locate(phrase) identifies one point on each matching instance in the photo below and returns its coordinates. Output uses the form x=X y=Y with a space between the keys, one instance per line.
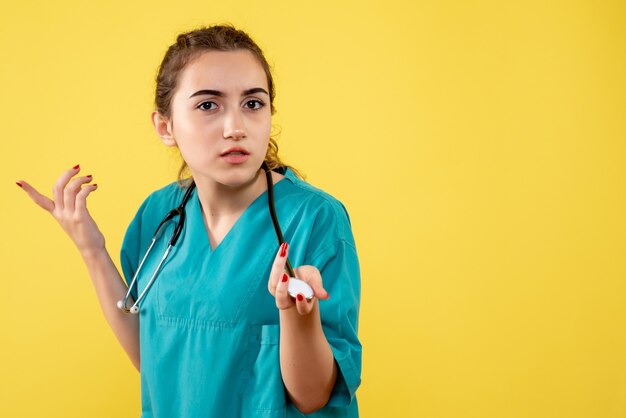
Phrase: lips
x=235 y=151
x=235 y=155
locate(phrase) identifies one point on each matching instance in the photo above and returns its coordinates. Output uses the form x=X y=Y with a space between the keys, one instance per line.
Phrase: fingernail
x=95 y=185
x=76 y=167
x=19 y=184
x=283 y=249
x=89 y=175
x=300 y=297
x=285 y=277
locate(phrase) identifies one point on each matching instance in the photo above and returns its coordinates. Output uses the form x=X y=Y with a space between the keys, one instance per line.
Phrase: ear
x=163 y=128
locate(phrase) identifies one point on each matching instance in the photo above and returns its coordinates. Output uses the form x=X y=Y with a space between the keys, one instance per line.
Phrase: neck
x=220 y=200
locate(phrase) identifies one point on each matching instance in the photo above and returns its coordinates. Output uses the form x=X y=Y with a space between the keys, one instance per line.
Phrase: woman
x=217 y=331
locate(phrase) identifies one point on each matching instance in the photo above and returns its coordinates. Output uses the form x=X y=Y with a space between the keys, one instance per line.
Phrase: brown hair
x=189 y=46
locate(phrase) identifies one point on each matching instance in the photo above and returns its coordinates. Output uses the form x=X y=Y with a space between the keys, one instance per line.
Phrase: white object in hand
x=299 y=286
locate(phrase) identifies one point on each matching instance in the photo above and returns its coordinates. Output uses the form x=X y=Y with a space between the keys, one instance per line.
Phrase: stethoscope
x=294 y=287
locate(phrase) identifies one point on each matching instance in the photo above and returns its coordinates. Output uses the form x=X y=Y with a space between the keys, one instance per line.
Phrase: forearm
x=306 y=360
x=69 y=209
x=110 y=288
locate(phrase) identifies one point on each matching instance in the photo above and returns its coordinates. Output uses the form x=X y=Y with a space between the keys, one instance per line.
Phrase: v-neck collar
x=197 y=231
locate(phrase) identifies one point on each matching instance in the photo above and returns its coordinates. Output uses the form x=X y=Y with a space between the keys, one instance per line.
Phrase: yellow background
x=479 y=147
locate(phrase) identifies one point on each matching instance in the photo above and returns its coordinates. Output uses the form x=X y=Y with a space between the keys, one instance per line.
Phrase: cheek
x=267 y=127
x=196 y=133
x=267 y=131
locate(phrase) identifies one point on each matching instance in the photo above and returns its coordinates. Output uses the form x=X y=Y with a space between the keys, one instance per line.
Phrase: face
x=221 y=117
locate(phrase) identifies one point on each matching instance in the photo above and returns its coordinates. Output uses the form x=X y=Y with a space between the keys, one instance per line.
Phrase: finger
x=59 y=186
x=319 y=292
x=313 y=277
x=72 y=189
x=303 y=305
x=41 y=200
x=278 y=267
x=81 y=197
x=283 y=300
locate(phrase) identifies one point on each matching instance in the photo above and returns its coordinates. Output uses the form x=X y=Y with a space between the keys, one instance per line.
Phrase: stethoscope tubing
x=270 y=201
x=180 y=211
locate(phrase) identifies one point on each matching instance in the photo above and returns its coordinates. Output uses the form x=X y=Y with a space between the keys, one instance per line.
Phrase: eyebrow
x=221 y=94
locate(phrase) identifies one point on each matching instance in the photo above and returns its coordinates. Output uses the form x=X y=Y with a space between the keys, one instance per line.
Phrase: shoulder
x=326 y=213
x=145 y=221
x=161 y=201
x=155 y=206
x=169 y=195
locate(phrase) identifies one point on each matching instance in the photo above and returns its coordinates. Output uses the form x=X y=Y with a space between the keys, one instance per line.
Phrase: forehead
x=223 y=70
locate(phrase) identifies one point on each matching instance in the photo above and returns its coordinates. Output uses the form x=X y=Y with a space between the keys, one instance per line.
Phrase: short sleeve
x=338 y=264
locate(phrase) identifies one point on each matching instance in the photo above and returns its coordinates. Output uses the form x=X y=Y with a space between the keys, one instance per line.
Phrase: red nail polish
x=300 y=297
x=89 y=175
x=19 y=184
x=76 y=167
x=283 y=249
x=95 y=185
x=285 y=277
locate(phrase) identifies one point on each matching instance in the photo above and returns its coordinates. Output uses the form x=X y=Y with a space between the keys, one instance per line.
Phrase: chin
x=238 y=176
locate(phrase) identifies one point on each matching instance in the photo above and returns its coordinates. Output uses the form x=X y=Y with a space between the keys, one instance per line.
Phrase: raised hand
x=69 y=208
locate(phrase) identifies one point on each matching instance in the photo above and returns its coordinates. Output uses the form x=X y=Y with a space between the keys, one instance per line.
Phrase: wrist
x=294 y=322
x=93 y=254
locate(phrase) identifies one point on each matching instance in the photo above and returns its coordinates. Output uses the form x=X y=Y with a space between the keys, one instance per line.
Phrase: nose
x=234 y=126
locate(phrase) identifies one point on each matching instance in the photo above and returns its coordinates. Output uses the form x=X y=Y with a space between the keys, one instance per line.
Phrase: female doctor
x=216 y=332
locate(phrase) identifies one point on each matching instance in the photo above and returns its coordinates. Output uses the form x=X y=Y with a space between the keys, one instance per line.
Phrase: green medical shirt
x=209 y=328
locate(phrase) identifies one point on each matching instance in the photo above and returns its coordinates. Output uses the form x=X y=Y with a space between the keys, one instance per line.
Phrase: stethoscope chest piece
x=297 y=286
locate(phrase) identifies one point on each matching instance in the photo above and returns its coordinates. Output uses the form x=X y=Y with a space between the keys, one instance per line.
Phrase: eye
x=207 y=106
x=254 y=104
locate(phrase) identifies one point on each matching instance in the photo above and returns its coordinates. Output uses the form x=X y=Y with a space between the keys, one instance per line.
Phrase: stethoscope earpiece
x=180 y=212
